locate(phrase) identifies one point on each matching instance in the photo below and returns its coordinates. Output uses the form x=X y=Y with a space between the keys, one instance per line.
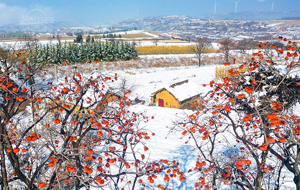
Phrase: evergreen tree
x=110 y=36
x=78 y=39
x=88 y=39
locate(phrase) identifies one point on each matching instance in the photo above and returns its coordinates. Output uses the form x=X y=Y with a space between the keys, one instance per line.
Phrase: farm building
x=179 y=95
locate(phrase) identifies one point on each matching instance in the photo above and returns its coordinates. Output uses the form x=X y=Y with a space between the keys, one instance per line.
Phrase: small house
x=179 y=95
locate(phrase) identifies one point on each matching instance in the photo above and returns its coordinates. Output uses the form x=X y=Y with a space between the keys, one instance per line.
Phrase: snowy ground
x=147 y=81
x=165 y=145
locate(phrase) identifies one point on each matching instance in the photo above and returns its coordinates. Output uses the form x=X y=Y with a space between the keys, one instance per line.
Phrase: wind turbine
x=236 y=5
x=215 y=6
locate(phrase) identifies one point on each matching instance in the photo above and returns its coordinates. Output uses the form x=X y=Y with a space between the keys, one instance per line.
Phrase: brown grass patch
x=152 y=50
x=138 y=35
x=290 y=23
x=223 y=71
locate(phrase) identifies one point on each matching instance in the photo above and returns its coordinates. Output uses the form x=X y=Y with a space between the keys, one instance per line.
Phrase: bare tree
x=246 y=44
x=97 y=37
x=134 y=43
x=188 y=38
x=58 y=37
x=242 y=45
x=226 y=46
x=155 y=42
x=201 y=46
x=29 y=42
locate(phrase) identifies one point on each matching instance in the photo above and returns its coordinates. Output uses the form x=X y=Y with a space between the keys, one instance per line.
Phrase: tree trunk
x=226 y=58
x=296 y=169
x=3 y=166
x=258 y=180
x=297 y=181
x=199 y=61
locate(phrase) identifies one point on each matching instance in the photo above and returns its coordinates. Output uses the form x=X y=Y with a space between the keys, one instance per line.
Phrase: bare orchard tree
x=155 y=42
x=188 y=38
x=134 y=43
x=246 y=44
x=242 y=45
x=226 y=46
x=28 y=41
x=200 y=47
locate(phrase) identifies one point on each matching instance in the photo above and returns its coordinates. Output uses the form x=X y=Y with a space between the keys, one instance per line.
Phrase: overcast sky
x=97 y=12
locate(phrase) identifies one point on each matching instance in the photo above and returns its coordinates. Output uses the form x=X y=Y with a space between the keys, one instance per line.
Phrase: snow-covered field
x=165 y=145
x=143 y=82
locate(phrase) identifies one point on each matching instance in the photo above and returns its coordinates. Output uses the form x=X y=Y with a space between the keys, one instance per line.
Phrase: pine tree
x=78 y=39
x=88 y=39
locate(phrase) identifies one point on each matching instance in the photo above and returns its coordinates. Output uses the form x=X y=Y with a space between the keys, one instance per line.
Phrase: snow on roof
x=184 y=91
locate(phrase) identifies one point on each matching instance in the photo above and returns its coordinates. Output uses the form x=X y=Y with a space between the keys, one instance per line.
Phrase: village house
x=180 y=95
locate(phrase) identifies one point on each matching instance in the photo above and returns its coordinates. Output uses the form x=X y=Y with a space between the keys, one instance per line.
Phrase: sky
x=98 y=12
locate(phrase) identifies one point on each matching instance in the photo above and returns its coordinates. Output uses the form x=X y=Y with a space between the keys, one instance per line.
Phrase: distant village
x=186 y=28
x=181 y=28
x=219 y=29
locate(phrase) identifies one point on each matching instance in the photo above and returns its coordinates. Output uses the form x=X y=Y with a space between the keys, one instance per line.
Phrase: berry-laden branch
x=83 y=136
x=247 y=134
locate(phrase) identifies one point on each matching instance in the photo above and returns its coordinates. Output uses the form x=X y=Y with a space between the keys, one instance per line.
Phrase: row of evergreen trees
x=84 y=52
